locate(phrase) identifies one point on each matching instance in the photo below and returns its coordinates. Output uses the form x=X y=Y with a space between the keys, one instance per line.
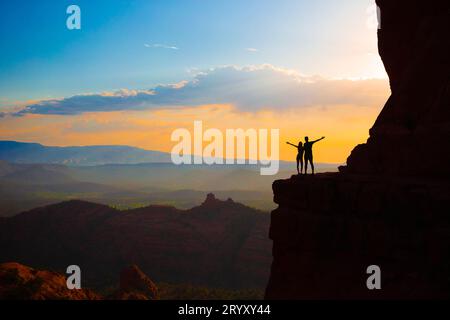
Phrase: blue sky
x=139 y=69
x=41 y=59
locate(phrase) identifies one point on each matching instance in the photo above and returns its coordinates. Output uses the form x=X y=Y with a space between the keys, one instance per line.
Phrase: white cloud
x=248 y=88
x=251 y=50
x=163 y=46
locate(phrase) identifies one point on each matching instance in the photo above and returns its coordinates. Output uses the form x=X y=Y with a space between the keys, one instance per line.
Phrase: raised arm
x=291 y=144
x=318 y=140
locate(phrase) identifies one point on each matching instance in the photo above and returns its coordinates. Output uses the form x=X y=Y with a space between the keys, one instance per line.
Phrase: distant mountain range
x=26 y=186
x=217 y=244
x=24 y=152
x=20 y=152
x=33 y=175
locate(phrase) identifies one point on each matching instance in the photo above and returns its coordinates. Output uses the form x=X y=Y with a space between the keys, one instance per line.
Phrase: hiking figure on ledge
x=309 y=154
x=300 y=151
x=305 y=152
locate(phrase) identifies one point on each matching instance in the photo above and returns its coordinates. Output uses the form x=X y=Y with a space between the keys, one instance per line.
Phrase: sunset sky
x=139 y=69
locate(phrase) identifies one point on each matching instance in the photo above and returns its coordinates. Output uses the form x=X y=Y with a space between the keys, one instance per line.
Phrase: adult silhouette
x=308 y=153
x=300 y=151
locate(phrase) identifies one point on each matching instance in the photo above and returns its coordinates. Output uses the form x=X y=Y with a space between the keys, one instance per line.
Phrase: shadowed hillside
x=217 y=244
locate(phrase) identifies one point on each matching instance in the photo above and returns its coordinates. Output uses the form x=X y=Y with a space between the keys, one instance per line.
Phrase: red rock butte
x=389 y=205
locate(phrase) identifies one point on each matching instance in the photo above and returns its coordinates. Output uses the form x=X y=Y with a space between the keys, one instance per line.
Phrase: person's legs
x=306 y=165
x=298 y=160
x=312 y=164
x=301 y=163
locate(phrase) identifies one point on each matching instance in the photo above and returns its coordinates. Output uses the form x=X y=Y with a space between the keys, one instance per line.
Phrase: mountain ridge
x=35 y=153
x=30 y=152
x=217 y=244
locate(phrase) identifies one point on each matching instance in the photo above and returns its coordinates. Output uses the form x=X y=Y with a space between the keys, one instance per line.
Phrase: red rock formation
x=411 y=135
x=331 y=227
x=389 y=206
x=19 y=282
x=135 y=285
x=217 y=244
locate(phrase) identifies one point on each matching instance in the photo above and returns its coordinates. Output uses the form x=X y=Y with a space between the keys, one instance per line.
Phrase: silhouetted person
x=308 y=153
x=300 y=151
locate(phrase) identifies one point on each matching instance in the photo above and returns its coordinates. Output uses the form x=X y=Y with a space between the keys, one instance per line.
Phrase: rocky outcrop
x=412 y=133
x=329 y=228
x=135 y=285
x=389 y=206
x=19 y=282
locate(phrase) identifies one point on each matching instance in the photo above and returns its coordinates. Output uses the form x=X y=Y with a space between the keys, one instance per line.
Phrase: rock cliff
x=389 y=205
x=412 y=133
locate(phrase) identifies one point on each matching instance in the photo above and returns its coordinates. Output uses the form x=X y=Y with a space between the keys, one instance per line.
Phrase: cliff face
x=329 y=228
x=412 y=133
x=389 y=205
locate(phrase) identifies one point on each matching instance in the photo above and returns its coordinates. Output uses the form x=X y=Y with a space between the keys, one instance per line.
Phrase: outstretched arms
x=291 y=144
x=318 y=140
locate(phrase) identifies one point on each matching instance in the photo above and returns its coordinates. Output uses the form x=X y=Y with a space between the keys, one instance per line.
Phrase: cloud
x=248 y=88
x=251 y=50
x=163 y=46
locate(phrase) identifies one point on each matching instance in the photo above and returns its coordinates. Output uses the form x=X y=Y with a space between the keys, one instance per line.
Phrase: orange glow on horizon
x=343 y=126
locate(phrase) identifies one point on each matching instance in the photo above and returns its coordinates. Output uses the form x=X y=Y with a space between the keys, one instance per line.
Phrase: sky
x=138 y=69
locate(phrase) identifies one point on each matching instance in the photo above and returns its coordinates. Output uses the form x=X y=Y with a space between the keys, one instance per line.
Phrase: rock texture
x=135 y=285
x=331 y=227
x=389 y=205
x=19 y=282
x=412 y=133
